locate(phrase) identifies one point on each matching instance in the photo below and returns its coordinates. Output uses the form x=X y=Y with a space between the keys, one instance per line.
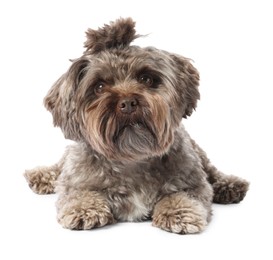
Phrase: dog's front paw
x=184 y=217
x=184 y=221
x=80 y=218
x=229 y=190
x=83 y=210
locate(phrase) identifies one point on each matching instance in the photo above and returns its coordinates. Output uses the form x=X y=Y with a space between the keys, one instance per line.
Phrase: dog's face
x=125 y=101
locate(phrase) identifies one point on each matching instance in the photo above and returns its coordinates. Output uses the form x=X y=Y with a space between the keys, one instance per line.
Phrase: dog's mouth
x=134 y=128
x=135 y=134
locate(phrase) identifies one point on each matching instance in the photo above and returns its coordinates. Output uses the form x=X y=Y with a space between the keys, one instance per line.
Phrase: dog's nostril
x=128 y=105
x=122 y=105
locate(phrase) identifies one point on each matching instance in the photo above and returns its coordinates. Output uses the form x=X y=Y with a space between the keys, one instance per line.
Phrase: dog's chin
x=134 y=141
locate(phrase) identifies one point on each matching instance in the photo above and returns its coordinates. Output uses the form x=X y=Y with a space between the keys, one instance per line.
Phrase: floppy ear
x=117 y=34
x=188 y=82
x=60 y=100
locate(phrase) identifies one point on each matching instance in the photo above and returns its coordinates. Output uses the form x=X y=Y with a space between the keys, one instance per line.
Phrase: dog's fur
x=132 y=159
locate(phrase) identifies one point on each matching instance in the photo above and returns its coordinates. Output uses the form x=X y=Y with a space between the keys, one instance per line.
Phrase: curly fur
x=118 y=34
x=132 y=159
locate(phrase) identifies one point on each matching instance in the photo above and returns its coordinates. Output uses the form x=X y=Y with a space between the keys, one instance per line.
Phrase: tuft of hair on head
x=119 y=33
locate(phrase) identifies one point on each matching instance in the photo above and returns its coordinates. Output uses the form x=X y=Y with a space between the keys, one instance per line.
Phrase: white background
x=231 y=44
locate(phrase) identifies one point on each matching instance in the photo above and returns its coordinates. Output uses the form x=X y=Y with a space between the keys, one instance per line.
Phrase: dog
x=132 y=159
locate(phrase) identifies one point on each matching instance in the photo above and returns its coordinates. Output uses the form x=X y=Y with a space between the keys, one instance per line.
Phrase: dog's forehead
x=132 y=59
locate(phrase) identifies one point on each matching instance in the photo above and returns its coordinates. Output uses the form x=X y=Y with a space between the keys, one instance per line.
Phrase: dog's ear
x=60 y=100
x=119 y=33
x=188 y=82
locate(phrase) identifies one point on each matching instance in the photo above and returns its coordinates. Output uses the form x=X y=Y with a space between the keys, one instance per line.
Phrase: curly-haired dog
x=132 y=159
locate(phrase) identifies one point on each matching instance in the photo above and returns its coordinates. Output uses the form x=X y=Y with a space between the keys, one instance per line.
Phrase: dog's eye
x=146 y=79
x=99 y=88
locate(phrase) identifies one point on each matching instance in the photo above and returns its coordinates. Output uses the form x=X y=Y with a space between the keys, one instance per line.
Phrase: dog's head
x=125 y=101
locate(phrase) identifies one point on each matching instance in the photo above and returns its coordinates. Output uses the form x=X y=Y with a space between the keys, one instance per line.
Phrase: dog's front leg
x=179 y=213
x=83 y=210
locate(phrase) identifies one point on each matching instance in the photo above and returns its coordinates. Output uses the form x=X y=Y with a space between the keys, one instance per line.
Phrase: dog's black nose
x=128 y=105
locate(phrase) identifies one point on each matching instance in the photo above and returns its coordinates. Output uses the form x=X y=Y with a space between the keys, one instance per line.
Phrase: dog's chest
x=132 y=194
x=132 y=208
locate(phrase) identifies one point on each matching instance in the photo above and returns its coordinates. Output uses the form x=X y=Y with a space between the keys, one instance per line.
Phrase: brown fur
x=118 y=34
x=133 y=159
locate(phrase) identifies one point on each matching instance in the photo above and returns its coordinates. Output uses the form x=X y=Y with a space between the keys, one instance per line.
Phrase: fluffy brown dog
x=132 y=160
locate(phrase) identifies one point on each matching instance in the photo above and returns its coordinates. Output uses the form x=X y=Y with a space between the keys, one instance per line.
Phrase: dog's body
x=132 y=160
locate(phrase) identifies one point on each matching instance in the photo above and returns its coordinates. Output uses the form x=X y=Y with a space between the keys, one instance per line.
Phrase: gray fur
x=130 y=163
